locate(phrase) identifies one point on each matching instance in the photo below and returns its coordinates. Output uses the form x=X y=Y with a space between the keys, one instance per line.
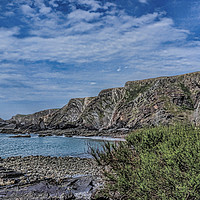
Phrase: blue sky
x=54 y=50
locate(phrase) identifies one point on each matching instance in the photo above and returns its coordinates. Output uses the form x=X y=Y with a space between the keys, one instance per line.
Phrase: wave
x=100 y=138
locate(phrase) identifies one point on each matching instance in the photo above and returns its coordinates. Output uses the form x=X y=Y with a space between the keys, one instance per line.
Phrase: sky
x=55 y=50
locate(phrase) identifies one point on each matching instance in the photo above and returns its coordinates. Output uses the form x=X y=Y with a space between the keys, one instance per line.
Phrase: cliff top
x=162 y=77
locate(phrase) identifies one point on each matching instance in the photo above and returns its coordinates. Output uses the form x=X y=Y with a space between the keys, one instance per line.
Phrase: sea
x=54 y=146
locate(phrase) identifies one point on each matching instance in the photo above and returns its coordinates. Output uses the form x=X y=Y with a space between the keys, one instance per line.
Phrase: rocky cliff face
x=98 y=113
x=157 y=101
x=36 y=121
x=163 y=100
x=68 y=116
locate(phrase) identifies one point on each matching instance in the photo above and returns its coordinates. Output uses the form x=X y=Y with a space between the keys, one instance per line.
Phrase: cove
x=54 y=146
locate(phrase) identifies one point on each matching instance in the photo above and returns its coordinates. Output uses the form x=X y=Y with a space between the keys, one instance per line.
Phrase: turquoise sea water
x=46 y=146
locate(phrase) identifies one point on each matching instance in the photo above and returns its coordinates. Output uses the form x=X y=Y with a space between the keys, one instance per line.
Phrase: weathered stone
x=36 y=121
x=150 y=102
x=18 y=136
x=40 y=177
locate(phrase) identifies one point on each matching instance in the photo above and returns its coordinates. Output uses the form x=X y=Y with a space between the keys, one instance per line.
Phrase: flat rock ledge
x=122 y=132
x=45 y=177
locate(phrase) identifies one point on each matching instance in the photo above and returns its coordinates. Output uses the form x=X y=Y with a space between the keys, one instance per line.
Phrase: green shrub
x=156 y=163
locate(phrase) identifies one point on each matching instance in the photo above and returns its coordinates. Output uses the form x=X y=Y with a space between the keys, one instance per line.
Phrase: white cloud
x=27 y=10
x=143 y=1
x=79 y=15
x=110 y=38
x=53 y=3
x=9 y=14
x=45 y=10
x=93 y=83
x=94 y=4
x=39 y=3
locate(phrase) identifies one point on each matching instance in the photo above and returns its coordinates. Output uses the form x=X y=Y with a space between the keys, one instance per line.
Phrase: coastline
x=71 y=177
x=70 y=132
x=103 y=138
x=51 y=145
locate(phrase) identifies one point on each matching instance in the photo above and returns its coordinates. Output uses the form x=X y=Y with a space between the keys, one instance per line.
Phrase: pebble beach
x=75 y=178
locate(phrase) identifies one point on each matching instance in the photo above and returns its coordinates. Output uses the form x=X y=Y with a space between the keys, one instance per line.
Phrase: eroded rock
x=40 y=177
x=150 y=102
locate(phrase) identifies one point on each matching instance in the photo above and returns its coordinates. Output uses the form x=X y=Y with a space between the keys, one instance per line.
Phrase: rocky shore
x=122 y=132
x=40 y=177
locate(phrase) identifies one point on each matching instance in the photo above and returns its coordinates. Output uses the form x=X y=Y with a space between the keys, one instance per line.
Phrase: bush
x=155 y=163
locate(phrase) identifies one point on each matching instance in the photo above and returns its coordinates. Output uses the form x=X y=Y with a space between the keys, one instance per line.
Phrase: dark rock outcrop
x=32 y=122
x=67 y=116
x=80 y=188
x=20 y=136
x=40 y=177
x=150 y=102
x=6 y=126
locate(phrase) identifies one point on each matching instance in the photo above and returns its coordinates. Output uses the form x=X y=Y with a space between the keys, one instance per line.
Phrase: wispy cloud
x=85 y=36
x=72 y=48
x=82 y=15
x=110 y=38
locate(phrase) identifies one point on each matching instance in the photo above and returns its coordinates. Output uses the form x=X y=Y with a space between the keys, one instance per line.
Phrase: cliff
x=150 y=102
x=36 y=121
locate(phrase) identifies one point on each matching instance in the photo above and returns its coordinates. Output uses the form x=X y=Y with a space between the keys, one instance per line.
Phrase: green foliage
x=156 y=163
x=185 y=89
x=134 y=90
x=187 y=92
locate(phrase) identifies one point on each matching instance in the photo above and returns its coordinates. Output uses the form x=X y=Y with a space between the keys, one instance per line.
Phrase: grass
x=133 y=91
x=154 y=163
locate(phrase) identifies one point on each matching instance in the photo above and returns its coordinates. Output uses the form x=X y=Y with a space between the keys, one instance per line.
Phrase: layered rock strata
x=150 y=102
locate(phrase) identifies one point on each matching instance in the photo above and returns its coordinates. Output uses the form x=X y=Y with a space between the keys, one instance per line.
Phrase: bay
x=48 y=146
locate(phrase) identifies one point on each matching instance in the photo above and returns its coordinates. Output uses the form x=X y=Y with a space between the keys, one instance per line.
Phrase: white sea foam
x=100 y=138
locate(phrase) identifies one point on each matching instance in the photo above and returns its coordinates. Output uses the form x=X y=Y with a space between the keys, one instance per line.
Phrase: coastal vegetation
x=154 y=163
